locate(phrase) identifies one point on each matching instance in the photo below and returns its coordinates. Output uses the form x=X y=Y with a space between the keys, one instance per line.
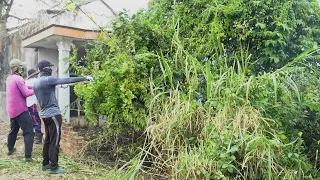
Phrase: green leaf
x=68 y=3
x=224 y=166
x=283 y=137
x=261 y=25
x=234 y=149
x=230 y=169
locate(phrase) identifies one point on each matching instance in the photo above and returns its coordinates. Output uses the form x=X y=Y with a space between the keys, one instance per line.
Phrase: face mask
x=21 y=71
x=48 y=71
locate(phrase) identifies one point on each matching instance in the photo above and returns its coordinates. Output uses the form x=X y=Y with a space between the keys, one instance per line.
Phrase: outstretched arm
x=65 y=85
x=52 y=81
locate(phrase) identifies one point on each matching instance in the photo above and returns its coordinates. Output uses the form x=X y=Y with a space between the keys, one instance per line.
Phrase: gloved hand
x=64 y=86
x=89 y=78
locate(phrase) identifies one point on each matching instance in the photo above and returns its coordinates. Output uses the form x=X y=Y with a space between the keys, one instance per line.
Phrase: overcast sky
x=29 y=8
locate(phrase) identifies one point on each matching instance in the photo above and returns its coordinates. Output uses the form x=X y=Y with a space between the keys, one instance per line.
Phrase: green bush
x=219 y=87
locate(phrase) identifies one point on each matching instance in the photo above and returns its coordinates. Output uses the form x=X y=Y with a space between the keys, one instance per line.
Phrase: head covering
x=15 y=64
x=32 y=73
x=44 y=64
x=18 y=67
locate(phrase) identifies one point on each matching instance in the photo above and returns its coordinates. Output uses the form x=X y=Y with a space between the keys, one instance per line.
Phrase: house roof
x=61 y=26
x=48 y=36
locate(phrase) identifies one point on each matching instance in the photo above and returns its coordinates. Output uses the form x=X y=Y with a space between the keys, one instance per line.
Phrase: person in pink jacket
x=17 y=92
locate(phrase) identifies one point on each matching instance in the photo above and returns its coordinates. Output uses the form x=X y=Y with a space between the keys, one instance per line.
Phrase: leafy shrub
x=226 y=82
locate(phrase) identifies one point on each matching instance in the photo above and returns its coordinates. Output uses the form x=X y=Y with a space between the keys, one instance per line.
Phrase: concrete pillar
x=64 y=48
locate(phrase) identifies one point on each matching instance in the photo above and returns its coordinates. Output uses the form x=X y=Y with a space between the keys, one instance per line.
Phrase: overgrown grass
x=233 y=134
x=14 y=166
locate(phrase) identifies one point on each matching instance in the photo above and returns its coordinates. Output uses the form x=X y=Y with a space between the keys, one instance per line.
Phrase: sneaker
x=11 y=151
x=29 y=160
x=57 y=171
x=45 y=167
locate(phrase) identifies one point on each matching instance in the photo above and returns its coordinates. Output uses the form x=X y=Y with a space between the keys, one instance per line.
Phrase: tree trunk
x=5 y=7
x=2 y=45
x=3 y=32
x=3 y=28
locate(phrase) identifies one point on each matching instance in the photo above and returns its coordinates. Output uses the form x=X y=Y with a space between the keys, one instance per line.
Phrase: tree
x=5 y=7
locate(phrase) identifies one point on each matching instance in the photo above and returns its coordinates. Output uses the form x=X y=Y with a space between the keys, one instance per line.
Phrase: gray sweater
x=45 y=90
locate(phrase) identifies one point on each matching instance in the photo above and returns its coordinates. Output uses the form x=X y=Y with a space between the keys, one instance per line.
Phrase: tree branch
x=58 y=4
x=16 y=27
x=45 y=2
x=20 y=19
x=9 y=5
x=109 y=7
x=6 y=3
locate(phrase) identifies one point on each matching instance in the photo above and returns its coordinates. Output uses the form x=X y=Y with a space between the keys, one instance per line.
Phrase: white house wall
x=50 y=55
x=30 y=56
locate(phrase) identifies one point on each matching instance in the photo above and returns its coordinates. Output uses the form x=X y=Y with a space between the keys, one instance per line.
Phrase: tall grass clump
x=231 y=134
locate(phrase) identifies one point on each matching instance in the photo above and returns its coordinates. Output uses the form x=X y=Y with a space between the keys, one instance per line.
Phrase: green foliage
x=220 y=87
x=274 y=32
x=230 y=138
x=120 y=87
x=310 y=133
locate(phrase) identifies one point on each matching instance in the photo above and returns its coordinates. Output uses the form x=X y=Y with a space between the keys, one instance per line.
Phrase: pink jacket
x=17 y=92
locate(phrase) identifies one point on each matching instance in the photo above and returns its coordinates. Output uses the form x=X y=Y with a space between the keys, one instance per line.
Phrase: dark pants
x=51 y=143
x=33 y=111
x=24 y=122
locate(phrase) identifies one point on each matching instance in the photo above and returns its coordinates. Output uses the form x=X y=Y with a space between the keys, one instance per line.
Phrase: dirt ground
x=4 y=130
x=14 y=167
x=18 y=158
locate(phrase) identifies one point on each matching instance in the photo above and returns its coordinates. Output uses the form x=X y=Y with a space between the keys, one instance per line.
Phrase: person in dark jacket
x=50 y=112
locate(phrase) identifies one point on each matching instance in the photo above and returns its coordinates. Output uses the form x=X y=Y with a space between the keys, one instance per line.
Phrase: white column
x=64 y=48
